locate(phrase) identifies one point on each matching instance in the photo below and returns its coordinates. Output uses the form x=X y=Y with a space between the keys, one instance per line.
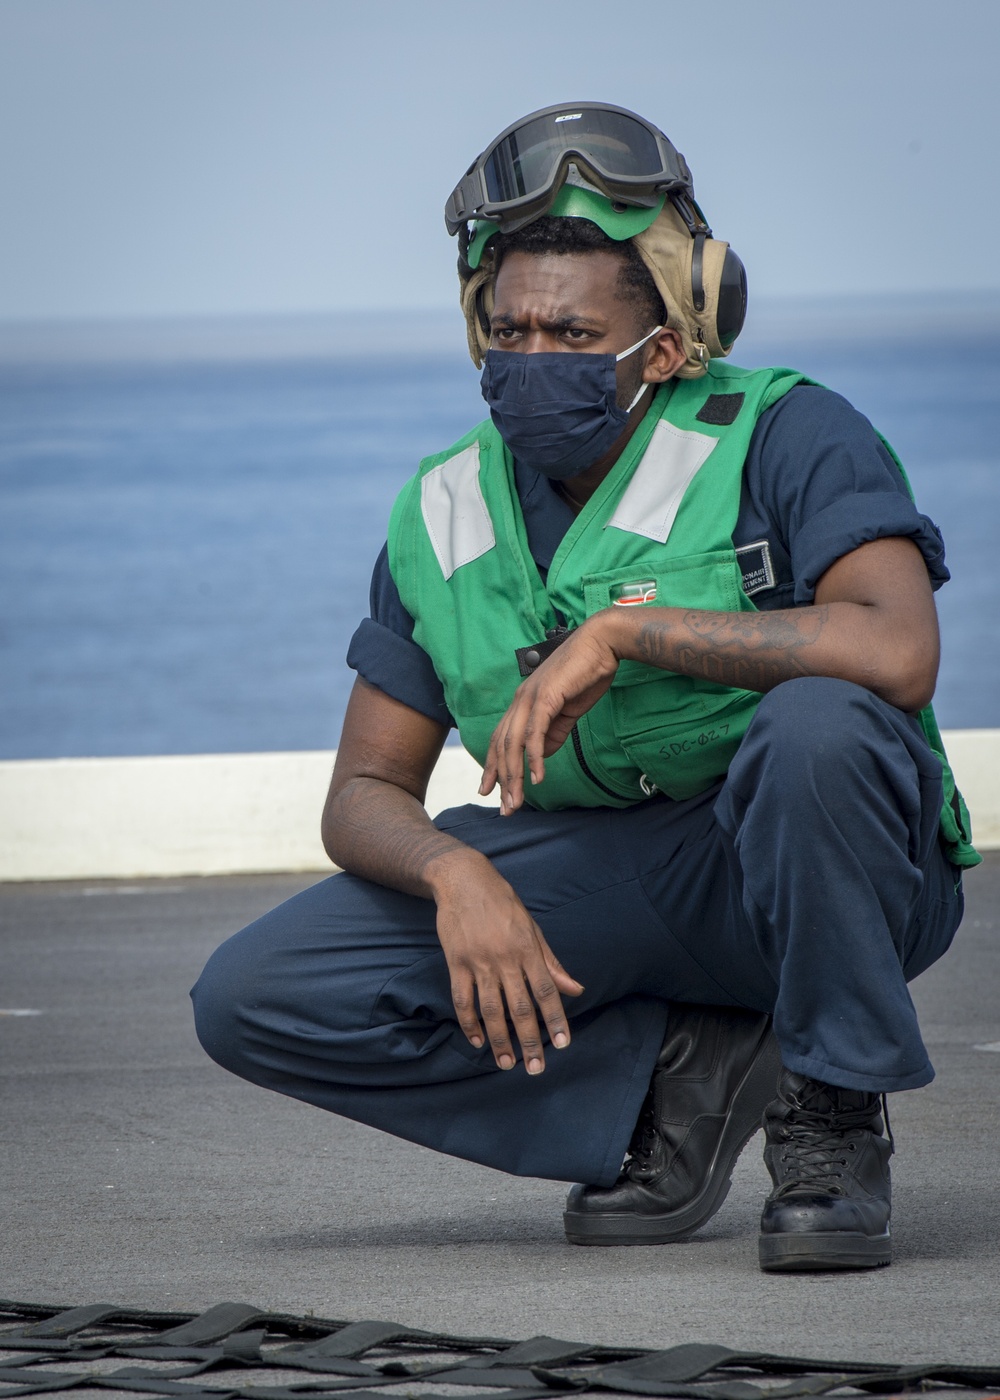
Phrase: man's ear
x=665 y=357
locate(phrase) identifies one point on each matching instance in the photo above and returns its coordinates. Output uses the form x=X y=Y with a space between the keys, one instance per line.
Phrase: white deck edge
x=219 y=814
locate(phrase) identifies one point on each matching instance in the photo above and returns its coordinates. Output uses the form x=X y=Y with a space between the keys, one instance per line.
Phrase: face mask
x=557 y=412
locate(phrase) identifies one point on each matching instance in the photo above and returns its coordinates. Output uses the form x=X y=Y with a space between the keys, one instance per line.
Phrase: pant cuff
x=854 y=1079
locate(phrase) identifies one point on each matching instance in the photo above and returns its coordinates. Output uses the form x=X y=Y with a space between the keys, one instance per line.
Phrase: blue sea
x=189 y=513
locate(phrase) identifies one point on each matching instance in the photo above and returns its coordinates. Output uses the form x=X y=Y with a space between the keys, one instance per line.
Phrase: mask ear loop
x=633 y=348
x=631 y=351
x=642 y=390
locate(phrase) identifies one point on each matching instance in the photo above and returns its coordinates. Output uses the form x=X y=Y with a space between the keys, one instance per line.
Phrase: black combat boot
x=716 y=1072
x=830 y=1165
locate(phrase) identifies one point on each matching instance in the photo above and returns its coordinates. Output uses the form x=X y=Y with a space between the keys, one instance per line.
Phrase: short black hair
x=552 y=234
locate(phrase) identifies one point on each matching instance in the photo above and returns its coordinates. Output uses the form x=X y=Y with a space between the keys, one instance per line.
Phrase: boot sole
x=755 y=1091
x=801 y=1253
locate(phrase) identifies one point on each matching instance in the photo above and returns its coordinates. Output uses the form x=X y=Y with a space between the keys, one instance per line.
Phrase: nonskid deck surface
x=138 y=1173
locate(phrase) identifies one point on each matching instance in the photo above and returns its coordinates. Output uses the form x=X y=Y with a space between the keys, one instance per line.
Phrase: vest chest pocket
x=710 y=581
x=679 y=731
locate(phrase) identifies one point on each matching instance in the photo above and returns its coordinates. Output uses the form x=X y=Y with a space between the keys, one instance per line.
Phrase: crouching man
x=682 y=614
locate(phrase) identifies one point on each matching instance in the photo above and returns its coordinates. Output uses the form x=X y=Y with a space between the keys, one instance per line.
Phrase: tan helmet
x=700 y=278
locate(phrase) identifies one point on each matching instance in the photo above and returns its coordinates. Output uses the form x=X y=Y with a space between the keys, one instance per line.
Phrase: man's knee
x=828 y=755
x=814 y=717
x=819 y=736
x=217 y=997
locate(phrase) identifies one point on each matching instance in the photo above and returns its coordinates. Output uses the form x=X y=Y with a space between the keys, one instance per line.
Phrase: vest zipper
x=578 y=750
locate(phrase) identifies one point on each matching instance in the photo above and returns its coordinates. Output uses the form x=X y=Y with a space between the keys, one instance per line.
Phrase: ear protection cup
x=730 y=295
x=701 y=280
x=731 y=308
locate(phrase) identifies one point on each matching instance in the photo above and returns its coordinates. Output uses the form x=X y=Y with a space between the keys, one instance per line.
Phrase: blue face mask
x=557 y=412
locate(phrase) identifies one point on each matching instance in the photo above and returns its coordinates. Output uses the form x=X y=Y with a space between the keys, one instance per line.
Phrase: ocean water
x=186 y=542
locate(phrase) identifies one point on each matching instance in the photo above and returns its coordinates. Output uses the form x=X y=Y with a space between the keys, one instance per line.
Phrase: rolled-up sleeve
x=856 y=520
x=829 y=484
x=384 y=654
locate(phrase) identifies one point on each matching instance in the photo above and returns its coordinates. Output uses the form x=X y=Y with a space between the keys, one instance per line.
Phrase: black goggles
x=518 y=176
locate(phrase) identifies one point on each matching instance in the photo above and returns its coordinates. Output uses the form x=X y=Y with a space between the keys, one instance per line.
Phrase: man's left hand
x=873 y=623
x=540 y=718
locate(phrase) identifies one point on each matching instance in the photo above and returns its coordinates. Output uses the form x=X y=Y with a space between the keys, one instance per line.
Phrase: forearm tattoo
x=753 y=651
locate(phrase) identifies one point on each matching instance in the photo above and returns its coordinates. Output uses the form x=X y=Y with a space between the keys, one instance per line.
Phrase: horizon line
x=895 y=317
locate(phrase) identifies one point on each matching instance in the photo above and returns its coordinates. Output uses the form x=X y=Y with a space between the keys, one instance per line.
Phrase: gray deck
x=135 y=1171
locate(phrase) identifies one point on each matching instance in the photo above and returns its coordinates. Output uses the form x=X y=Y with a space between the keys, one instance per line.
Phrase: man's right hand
x=375 y=825
x=498 y=957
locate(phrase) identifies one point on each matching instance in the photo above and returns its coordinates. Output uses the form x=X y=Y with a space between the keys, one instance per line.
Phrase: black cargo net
x=235 y=1350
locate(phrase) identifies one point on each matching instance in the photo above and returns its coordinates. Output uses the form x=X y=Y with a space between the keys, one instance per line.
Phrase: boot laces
x=816 y=1145
x=644 y=1139
x=646 y=1136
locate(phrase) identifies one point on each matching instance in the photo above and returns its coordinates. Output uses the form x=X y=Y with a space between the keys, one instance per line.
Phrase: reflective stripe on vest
x=652 y=498
x=459 y=525
x=455 y=513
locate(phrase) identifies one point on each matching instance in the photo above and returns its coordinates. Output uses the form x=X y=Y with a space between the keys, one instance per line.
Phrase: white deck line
x=214 y=814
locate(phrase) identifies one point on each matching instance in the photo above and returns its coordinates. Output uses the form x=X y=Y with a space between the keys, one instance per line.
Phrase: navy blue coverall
x=811 y=883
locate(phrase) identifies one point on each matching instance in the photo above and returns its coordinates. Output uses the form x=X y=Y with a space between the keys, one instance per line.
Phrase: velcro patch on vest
x=720 y=409
x=756 y=567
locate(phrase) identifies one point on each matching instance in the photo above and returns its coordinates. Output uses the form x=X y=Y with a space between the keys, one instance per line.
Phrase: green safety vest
x=659 y=529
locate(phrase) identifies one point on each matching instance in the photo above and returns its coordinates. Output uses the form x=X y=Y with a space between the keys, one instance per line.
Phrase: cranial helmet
x=605 y=164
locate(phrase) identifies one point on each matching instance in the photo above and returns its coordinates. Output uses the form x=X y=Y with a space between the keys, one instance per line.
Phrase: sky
x=207 y=157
